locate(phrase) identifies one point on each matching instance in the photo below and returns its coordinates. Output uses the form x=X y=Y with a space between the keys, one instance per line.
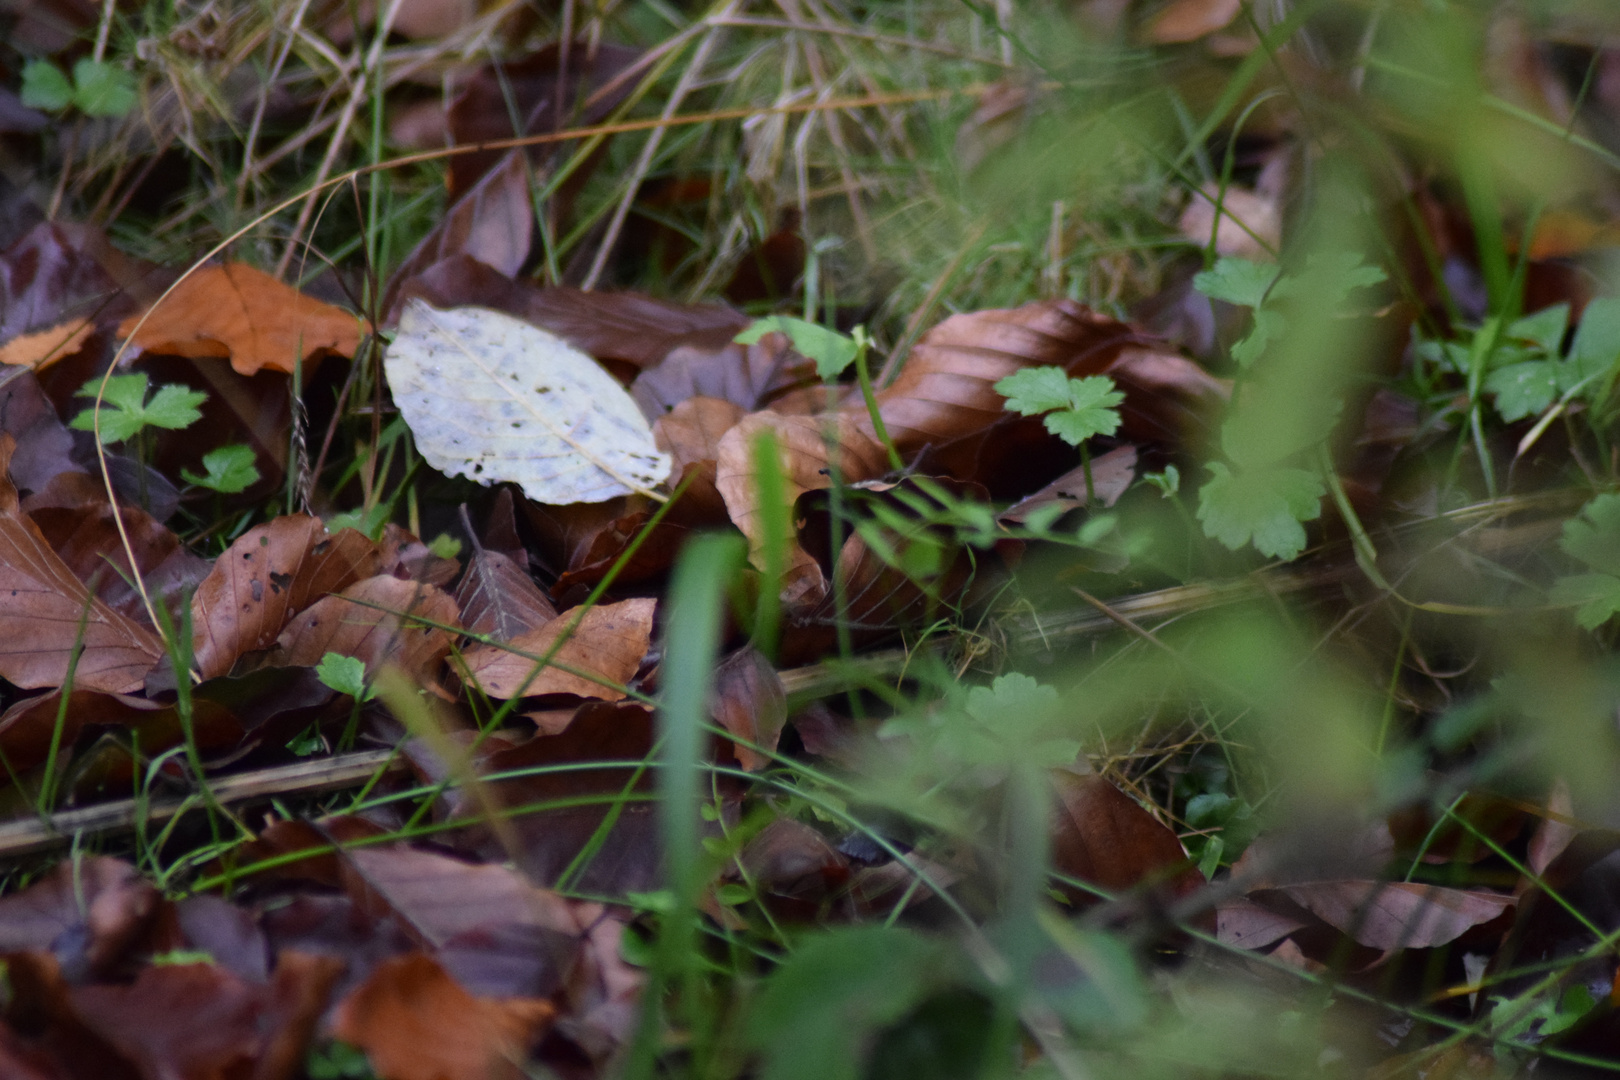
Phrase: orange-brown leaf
x=691 y=432
x=751 y=704
x=1103 y=837
x=807 y=447
x=245 y=314
x=417 y=1023
x=610 y=641
x=371 y=620
x=44 y=347
x=272 y=572
x=45 y=611
x=1189 y=20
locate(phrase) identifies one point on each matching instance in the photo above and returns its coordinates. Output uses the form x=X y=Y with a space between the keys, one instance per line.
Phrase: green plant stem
x=864 y=377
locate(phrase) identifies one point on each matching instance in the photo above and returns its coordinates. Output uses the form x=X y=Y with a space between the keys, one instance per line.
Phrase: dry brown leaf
x=47 y=612
x=946 y=390
x=439 y=899
x=749 y=702
x=802 y=444
x=1189 y=20
x=1248 y=925
x=415 y=1022
x=87 y=539
x=499 y=599
x=88 y=912
x=372 y=620
x=43 y=348
x=1111 y=476
x=272 y=572
x=632 y=327
x=245 y=314
x=1391 y=915
x=610 y=640
x=202 y=1022
x=1103 y=837
x=753 y=376
x=1250 y=226
x=691 y=432
x=491 y=223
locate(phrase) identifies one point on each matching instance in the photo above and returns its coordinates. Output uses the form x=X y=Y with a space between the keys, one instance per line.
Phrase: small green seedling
x=347 y=675
x=1076 y=409
x=1593 y=537
x=97 y=88
x=833 y=353
x=230 y=469
x=1258 y=497
x=172 y=407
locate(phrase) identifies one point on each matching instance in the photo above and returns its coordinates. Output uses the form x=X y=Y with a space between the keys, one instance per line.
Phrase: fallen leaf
x=416 y=1023
x=753 y=376
x=87 y=539
x=40 y=1003
x=1250 y=222
x=44 y=447
x=691 y=432
x=492 y=398
x=179 y=1020
x=49 y=613
x=59 y=272
x=945 y=398
x=1391 y=915
x=1111 y=476
x=1103 y=837
x=491 y=223
x=581 y=793
x=610 y=641
x=87 y=913
x=245 y=314
x=750 y=703
x=632 y=327
x=604 y=994
x=26 y=726
x=272 y=572
x=1247 y=925
x=498 y=598
x=793 y=867
x=439 y=899
x=1189 y=20
x=372 y=621
x=609 y=536
x=807 y=448
x=42 y=348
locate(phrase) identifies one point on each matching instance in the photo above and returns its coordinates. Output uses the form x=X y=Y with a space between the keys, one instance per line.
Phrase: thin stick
x=302 y=778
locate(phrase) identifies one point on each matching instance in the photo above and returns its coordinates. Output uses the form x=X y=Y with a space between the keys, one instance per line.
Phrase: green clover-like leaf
x=230 y=469
x=832 y=351
x=172 y=407
x=1237 y=281
x=1260 y=506
x=102 y=89
x=345 y=674
x=1593 y=536
x=1083 y=407
x=1524 y=389
x=1545 y=329
x=1595 y=597
x=45 y=87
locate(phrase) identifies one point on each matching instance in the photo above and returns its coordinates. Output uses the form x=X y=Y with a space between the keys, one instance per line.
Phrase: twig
x=301 y=778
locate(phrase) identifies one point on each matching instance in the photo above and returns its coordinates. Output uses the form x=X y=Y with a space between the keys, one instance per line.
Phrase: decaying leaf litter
x=1170 y=574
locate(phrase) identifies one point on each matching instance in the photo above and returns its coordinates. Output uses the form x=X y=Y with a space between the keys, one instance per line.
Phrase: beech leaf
x=492 y=398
